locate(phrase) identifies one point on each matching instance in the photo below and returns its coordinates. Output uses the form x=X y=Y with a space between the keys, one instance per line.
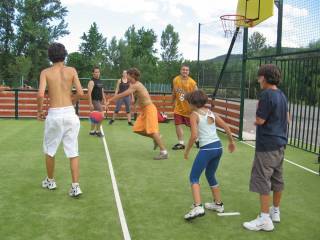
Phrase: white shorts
x=62 y=124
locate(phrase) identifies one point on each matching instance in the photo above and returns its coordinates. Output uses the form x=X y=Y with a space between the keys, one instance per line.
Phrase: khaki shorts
x=266 y=174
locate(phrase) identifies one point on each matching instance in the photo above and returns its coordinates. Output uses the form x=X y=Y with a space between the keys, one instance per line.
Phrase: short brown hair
x=184 y=65
x=57 y=52
x=271 y=73
x=94 y=68
x=197 y=98
x=135 y=73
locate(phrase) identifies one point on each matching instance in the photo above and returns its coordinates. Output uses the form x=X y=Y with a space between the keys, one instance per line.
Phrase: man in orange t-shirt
x=182 y=84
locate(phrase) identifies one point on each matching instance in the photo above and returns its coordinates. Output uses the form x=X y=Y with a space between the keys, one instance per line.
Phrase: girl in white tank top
x=203 y=126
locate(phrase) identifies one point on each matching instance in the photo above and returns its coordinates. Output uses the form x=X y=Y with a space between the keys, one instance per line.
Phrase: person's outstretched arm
x=221 y=123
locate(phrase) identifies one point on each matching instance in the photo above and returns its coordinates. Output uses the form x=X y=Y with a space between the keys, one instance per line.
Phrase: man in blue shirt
x=271 y=138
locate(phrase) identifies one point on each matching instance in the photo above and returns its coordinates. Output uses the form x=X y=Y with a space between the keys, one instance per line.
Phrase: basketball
x=96 y=117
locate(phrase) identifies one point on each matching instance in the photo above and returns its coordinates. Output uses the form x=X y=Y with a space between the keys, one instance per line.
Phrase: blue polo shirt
x=273 y=108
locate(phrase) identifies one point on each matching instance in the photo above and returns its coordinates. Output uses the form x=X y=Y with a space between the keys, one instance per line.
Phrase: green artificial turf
x=155 y=194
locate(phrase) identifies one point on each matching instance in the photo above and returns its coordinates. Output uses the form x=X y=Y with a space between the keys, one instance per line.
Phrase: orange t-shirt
x=180 y=88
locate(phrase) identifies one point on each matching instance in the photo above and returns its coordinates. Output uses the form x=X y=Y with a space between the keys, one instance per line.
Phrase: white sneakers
x=274 y=214
x=214 y=207
x=196 y=211
x=266 y=223
x=49 y=183
x=260 y=223
x=75 y=190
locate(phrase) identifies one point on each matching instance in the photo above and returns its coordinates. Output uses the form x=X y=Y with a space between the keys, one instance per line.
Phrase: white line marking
x=307 y=169
x=122 y=218
x=228 y=214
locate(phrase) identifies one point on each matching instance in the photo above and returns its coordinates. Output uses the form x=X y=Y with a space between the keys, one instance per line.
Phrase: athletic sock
x=276 y=209
x=164 y=152
x=74 y=184
x=264 y=215
x=181 y=142
x=50 y=179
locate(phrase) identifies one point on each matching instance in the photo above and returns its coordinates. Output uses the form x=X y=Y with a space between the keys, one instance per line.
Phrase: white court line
x=307 y=169
x=122 y=218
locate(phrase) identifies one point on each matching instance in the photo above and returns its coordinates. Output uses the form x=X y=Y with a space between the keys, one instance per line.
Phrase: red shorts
x=178 y=120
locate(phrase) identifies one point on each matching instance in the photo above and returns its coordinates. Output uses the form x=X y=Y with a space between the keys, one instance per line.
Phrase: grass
x=155 y=194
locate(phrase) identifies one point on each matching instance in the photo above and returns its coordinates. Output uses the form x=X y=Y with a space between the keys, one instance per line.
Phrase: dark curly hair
x=135 y=73
x=57 y=52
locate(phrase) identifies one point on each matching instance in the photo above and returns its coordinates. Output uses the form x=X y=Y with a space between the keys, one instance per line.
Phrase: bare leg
x=74 y=166
x=98 y=126
x=179 y=131
x=156 y=137
x=196 y=193
x=129 y=117
x=276 y=198
x=50 y=166
x=93 y=127
x=264 y=203
x=114 y=116
x=216 y=194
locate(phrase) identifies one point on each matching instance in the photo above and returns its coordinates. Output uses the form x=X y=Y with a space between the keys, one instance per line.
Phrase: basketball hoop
x=230 y=22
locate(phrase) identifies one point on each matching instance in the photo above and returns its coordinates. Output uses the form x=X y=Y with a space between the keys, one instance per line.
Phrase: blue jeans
x=124 y=100
x=207 y=158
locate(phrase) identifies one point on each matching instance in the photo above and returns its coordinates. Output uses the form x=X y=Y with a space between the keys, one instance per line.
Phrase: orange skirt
x=147 y=120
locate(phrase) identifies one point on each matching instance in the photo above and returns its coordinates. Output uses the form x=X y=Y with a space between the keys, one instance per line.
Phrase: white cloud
x=292 y=11
x=120 y=6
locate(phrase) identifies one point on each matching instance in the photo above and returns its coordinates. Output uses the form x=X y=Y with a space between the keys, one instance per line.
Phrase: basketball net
x=230 y=22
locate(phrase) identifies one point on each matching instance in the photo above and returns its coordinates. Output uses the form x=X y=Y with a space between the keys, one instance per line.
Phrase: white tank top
x=207 y=133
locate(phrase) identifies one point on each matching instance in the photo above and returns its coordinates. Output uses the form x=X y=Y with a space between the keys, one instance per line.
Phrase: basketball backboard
x=254 y=11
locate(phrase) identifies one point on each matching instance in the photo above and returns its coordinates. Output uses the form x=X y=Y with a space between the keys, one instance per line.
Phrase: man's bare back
x=59 y=81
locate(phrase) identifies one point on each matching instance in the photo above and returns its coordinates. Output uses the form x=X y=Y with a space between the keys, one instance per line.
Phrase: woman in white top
x=203 y=126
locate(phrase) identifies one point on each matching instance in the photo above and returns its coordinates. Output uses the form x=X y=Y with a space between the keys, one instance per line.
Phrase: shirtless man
x=62 y=123
x=147 y=122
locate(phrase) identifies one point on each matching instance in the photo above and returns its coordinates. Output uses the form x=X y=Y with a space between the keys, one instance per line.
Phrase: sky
x=114 y=17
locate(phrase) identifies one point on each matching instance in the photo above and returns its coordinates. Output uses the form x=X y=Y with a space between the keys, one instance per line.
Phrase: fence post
x=243 y=79
x=16 y=103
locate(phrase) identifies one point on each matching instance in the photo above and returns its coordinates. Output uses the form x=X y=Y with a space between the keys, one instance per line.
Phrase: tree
x=20 y=70
x=78 y=61
x=141 y=48
x=170 y=55
x=94 y=46
x=256 y=42
x=169 y=45
x=7 y=17
x=38 y=24
x=315 y=44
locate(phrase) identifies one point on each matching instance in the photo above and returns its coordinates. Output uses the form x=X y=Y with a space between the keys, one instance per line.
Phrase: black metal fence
x=301 y=85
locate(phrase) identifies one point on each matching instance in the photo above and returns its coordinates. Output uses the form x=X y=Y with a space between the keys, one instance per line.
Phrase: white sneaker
x=259 y=224
x=75 y=191
x=197 y=211
x=214 y=207
x=274 y=215
x=50 y=184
